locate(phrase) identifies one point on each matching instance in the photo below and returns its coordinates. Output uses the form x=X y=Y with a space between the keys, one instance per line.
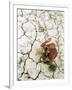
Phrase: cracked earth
x=33 y=28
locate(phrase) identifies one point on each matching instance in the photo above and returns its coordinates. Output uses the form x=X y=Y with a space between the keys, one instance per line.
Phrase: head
x=48 y=45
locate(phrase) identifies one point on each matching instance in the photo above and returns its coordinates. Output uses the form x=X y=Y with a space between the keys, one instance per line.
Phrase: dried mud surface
x=33 y=28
